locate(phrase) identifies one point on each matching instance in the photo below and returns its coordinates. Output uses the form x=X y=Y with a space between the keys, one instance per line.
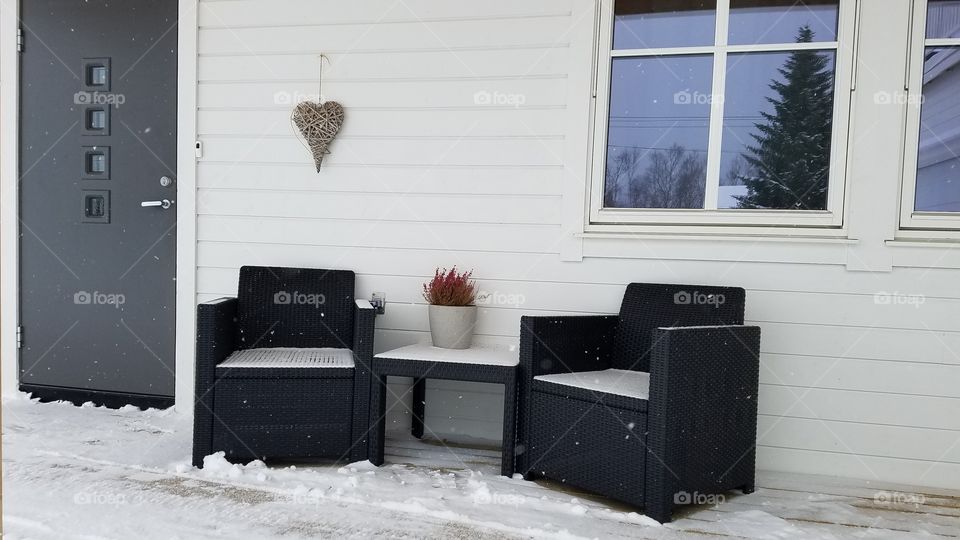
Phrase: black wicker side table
x=422 y=361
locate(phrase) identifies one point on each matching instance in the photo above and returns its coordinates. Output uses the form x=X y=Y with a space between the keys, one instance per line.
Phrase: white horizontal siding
x=547 y=61
x=384 y=123
x=859 y=313
x=383 y=93
x=861 y=439
x=328 y=232
x=424 y=176
x=408 y=35
x=463 y=152
x=254 y=13
x=503 y=264
x=467 y=208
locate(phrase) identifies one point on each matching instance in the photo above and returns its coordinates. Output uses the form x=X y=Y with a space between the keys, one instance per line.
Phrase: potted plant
x=453 y=315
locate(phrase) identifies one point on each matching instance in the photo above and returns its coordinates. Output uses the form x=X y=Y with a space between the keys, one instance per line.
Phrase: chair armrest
x=702 y=413
x=364 y=318
x=216 y=331
x=216 y=340
x=557 y=345
x=364 y=321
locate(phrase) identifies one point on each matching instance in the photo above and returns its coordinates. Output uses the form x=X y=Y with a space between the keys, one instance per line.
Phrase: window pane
x=780 y=21
x=658 y=131
x=97 y=76
x=96 y=119
x=97 y=163
x=943 y=19
x=938 y=165
x=644 y=24
x=777 y=126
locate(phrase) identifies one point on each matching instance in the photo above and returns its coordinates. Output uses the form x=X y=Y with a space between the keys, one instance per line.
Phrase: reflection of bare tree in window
x=669 y=178
x=622 y=170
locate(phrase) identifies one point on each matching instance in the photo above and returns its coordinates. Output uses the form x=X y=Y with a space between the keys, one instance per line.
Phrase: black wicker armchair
x=656 y=407
x=283 y=369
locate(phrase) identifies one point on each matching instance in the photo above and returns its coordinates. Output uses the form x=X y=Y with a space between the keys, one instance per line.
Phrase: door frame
x=186 y=199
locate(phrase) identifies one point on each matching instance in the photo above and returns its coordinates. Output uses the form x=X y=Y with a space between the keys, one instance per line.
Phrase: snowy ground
x=89 y=472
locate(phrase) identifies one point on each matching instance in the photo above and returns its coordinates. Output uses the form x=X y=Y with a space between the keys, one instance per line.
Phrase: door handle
x=164 y=203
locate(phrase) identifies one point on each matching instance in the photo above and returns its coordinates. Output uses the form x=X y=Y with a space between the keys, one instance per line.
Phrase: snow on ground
x=89 y=472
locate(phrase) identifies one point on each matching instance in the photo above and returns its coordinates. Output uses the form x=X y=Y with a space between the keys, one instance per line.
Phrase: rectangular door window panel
x=96 y=163
x=96 y=206
x=96 y=74
x=96 y=120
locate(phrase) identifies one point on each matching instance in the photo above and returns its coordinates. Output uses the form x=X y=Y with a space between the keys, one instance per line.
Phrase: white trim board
x=186 y=199
x=186 y=330
x=9 y=172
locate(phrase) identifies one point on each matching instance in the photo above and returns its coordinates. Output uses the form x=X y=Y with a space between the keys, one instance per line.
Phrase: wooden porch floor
x=785 y=505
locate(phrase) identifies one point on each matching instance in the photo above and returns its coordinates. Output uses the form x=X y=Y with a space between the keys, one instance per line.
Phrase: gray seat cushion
x=620 y=382
x=282 y=357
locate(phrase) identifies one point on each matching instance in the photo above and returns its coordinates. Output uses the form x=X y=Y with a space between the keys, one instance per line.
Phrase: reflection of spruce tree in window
x=790 y=160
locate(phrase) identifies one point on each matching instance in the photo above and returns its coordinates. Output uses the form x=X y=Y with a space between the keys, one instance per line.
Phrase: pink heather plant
x=450 y=288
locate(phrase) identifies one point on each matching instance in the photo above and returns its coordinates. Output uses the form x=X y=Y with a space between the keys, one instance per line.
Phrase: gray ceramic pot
x=451 y=327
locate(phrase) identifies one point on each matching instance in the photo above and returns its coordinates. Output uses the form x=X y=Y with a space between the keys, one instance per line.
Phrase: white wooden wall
x=423 y=176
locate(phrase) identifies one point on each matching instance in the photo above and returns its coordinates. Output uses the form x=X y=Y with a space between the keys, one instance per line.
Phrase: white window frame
x=643 y=219
x=910 y=219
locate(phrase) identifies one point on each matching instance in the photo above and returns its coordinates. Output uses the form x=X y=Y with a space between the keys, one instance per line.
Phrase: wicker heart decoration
x=319 y=123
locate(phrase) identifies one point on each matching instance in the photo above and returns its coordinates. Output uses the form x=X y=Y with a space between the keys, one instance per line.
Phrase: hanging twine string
x=320 y=59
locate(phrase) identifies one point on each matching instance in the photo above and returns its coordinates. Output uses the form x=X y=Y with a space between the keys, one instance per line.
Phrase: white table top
x=487 y=355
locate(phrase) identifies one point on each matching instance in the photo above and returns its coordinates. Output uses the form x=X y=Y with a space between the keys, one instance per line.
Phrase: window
x=931 y=194
x=726 y=112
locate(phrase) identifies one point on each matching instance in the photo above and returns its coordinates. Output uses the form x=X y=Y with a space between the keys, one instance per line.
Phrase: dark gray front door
x=98 y=138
